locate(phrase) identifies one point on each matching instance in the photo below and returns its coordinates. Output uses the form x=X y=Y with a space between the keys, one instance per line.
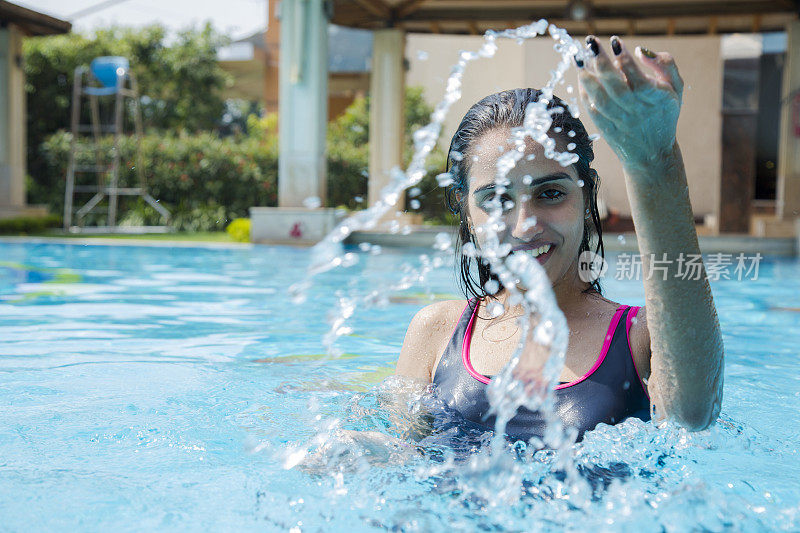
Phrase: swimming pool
x=152 y=387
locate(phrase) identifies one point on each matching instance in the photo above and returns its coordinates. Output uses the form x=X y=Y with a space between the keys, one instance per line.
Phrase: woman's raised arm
x=637 y=109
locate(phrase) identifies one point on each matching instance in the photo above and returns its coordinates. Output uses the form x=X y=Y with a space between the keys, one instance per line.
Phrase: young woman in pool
x=619 y=359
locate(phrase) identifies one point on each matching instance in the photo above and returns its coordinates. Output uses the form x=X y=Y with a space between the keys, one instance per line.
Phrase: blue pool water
x=181 y=389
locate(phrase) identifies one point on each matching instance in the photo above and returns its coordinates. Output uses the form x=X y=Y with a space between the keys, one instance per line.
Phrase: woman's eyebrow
x=538 y=181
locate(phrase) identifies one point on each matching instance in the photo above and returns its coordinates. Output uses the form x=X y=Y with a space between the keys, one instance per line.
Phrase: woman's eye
x=503 y=200
x=552 y=194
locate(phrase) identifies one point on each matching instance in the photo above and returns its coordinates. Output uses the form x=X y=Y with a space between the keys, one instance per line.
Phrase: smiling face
x=543 y=204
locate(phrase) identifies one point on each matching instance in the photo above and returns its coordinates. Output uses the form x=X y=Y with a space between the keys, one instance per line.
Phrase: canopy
x=602 y=17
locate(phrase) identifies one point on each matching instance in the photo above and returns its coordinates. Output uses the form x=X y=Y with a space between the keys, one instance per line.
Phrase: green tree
x=180 y=83
x=348 y=157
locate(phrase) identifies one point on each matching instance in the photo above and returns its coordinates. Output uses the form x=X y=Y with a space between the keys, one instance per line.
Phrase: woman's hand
x=635 y=102
x=635 y=109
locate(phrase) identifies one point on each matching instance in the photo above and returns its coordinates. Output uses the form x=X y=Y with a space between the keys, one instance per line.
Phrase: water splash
x=539 y=358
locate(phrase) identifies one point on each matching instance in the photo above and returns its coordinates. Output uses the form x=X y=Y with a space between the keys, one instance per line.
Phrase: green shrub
x=205 y=180
x=202 y=179
x=180 y=83
x=28 y=225
x=239 y=230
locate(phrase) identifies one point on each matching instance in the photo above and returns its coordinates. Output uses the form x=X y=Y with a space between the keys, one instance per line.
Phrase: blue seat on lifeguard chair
x=106 y=69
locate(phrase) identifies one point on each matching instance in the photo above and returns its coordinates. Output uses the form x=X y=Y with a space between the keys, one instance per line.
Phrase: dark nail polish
x=646 y=52
x=615 y=46
x=593 y=46
x=578 y=61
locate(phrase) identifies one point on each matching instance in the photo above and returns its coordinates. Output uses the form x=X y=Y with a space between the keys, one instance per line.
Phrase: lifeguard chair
x=105 y=78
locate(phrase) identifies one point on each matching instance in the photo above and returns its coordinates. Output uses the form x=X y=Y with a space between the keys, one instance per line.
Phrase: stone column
x=12 y=123
x=387 y=92
x=788 y=193
x=303 y=102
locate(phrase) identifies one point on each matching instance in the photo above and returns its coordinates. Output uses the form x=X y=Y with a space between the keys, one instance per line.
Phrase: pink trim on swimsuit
x=465 y=348
x=484 y=379
x=628 y=324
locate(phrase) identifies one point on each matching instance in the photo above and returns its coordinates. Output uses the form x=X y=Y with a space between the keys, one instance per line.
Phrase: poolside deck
x=425 y=237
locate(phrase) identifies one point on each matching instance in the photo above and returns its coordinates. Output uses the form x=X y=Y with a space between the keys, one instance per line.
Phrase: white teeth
x=536 y=252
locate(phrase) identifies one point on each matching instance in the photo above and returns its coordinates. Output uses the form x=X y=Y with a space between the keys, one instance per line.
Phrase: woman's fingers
x=663 y=65
x=609 y=75
x=627 y=63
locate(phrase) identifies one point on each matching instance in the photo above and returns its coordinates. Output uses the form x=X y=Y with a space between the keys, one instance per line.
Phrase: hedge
x=28 y=225
x=206 y=180
x=202 y=179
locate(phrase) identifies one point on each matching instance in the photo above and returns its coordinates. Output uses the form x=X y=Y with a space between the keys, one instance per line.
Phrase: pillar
x=12 y=121
x=303 y=101
x=386 y=122
x=788 y=186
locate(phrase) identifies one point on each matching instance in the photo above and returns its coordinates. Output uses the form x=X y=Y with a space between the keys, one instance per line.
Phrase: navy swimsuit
x=610 y=392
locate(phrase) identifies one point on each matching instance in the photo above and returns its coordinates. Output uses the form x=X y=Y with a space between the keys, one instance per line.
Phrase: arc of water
x=506 y=393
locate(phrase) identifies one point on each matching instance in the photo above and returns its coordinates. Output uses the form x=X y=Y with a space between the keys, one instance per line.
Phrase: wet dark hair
x=507 y=108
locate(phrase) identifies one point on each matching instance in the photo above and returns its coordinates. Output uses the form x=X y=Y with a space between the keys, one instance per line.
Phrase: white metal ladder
x=112 y=78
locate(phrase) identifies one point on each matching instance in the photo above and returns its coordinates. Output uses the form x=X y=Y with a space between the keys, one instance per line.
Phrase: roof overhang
x=31 y=22
x=604 y=17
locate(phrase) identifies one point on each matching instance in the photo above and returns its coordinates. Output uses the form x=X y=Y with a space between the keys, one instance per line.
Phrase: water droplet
x=621 y=238
x=364 y=246
x=491 y=286
x=358 y=199
x=415 y=191
x=571 y=133
x=571 y=146
x=626 y=385
x=580 y=183
x=527 y=179
x=528 y=223
x=422 y=55
x=444 y=179
x=414 y=204
x=312 y=202
x=297 y=291
x=557 y=129
x=468 y=250
x=349 y=259
x=495 y=309
x=443 y=241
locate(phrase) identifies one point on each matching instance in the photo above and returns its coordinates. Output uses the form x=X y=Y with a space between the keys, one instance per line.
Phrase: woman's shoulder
x=441 y=311
x=427 y=336
x=639 y=342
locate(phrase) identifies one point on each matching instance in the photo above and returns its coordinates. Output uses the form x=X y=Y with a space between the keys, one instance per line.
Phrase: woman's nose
x=525 y=226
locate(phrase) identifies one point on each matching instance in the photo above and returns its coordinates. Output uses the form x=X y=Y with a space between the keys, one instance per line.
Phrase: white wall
x=529 y=64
